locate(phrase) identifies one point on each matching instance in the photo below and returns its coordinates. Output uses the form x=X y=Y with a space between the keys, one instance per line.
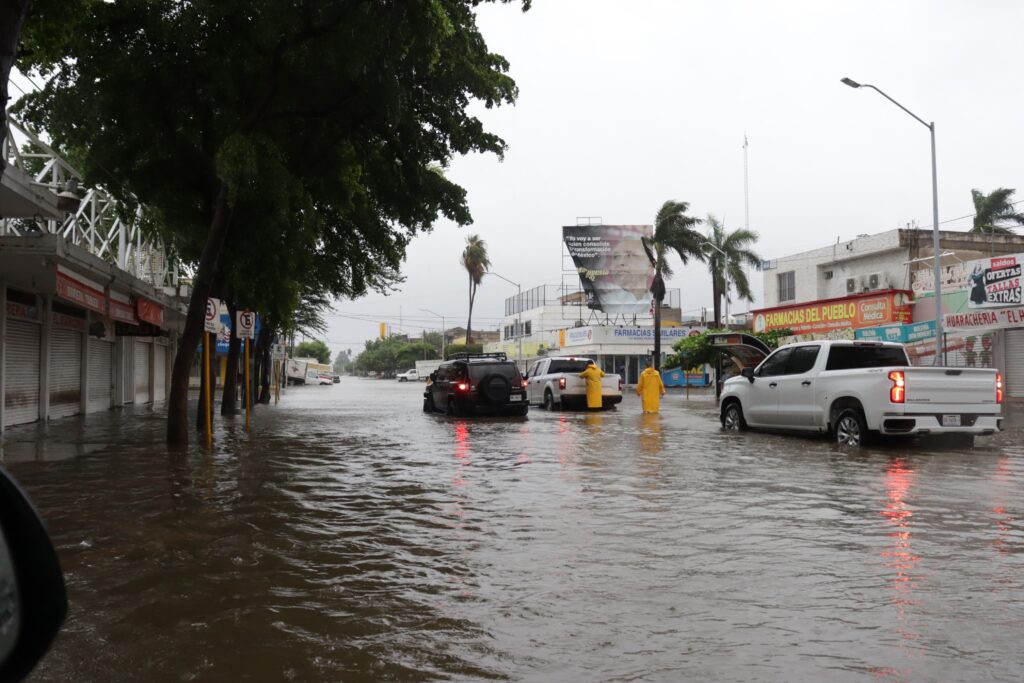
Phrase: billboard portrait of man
x=614 y=268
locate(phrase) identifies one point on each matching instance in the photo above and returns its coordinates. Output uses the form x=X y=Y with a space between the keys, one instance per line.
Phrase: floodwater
x=353 y=538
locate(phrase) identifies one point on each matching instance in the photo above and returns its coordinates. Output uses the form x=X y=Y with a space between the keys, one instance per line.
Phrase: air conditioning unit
x=874 y=280
x=851 y=285
x=864 y=283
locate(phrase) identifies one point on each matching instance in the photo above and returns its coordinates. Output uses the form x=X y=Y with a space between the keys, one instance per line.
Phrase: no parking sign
x=212 y=316
x=246 y=325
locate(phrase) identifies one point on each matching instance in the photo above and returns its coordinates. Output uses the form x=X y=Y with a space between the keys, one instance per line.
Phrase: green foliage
x=313 y=349
x=691 y=352
x=462 y=348
x=993 y=211
x=475 y=260
x=343 y=362
x=393 y=354
x=674 y=231
x=737 y=246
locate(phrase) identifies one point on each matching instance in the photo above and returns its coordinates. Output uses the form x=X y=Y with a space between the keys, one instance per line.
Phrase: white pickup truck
x=410 y=375
x=556 y=383
x=852 y=389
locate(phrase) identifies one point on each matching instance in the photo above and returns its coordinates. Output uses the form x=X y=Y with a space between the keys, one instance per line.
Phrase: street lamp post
x=519 y=311
x=725 y=272
x=443 y=328
x=936 y=249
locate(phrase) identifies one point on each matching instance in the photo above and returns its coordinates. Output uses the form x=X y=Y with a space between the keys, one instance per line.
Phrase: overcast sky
x=624 y=105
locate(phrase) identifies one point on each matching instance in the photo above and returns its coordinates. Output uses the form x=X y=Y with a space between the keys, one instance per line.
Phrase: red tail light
x=462 y=386
x=525 y=383
x=621 y=384
x=999 y=387
x=898 y=390
x=561 y=383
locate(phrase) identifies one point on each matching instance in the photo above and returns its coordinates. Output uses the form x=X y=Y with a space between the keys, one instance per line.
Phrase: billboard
x=994 y=282
x=614 y=268
x=905 y=333
x=834 y=315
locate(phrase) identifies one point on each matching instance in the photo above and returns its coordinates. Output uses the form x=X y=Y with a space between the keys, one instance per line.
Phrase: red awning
x=80 y=293
x=150 y=311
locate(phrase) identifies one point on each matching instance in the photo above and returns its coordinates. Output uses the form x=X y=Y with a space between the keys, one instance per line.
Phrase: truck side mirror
x=748 y=373
x=33 y=601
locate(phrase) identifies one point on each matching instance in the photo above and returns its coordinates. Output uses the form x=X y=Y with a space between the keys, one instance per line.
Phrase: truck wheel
x=549 y=400
x=428 y=405
x=732 y=418
x=850 y=429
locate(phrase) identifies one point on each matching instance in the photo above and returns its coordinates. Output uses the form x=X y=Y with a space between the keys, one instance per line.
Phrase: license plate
x=950 y=420
x=517 y=397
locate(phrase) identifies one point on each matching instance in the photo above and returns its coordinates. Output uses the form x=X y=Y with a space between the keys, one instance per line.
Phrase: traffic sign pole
x=248 y=387
x=206 y=389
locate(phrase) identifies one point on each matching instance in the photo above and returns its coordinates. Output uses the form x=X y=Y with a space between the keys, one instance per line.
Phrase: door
x=535 y=392
x=1015 y=363
x=142 y=351
x=797 y=409
x=159 y=372
x=762 y=405
x=65 y=376
x=101 y=375
x=439 y=388
x=21 y=403
x=127 y=361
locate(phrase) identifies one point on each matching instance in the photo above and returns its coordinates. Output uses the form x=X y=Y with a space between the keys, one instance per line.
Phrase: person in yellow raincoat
x=593 y=375
x=650 y=389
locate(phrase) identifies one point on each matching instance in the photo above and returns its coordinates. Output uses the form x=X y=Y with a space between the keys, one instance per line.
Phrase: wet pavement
x=353 y=538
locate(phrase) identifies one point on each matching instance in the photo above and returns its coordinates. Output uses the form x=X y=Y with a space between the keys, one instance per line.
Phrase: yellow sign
x=383 y=330
x=561 y=338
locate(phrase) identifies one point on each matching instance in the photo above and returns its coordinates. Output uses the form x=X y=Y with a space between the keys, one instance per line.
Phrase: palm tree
x=673 y=231
x=993 y=209
x=474 y=259
x=737 y=247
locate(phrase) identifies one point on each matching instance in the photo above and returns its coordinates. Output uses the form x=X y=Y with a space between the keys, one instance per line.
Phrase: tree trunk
x=266 y=366
x=469 y=322
x=177 y=406
x=12 y=20
x=717 y=293
x=229 y=399
x=658 y=292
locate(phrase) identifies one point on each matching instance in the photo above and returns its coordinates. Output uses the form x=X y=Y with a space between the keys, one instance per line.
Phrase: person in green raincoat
x=650 y=389
x=593 y=375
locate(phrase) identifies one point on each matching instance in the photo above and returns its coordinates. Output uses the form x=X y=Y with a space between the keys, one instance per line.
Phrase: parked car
x=324 y=378
x=556 y=383
x=408 y=376
x=472 y=384
x=855 y=389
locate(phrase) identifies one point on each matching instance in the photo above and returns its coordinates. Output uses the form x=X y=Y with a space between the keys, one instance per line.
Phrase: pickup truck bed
x=555 y=383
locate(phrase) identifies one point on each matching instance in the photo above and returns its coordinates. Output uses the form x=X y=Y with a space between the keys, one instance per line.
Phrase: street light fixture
x=725 y=272
x=936 y=250
x=443 y=328
x=519 y=311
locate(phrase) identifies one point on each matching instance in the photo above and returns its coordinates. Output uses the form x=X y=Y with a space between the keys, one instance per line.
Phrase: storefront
x=621 y=350
x=838 y=318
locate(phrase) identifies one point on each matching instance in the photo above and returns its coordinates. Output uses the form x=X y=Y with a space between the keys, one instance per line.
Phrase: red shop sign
x=150 y=311
x=122 y=312
x=80 y=294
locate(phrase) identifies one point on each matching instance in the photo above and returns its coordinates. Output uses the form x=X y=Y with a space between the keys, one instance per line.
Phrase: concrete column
x=172 y=353
x=119 y=371
x=3 y=350
x=44 y=360
x=84 y=403
x=152 y=370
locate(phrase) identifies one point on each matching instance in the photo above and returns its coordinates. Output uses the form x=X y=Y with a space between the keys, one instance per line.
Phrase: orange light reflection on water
x=899 y=554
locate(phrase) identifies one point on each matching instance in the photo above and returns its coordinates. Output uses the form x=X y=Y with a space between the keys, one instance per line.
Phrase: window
x=775 y=364
x=787 y=285
x=854 y=357
x=527 y=326
x=803 y=359
x=576 y=366
x=478 y=371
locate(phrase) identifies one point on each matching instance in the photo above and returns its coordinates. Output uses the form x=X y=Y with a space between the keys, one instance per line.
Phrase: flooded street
x=353 y=537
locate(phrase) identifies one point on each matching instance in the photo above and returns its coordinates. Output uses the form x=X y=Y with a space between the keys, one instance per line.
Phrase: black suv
x=479 y=383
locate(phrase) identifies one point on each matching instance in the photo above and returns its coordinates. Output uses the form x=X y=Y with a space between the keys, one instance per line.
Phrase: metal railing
x=100 y=223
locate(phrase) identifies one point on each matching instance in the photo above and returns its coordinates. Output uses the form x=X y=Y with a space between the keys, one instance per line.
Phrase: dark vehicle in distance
x=476 y=384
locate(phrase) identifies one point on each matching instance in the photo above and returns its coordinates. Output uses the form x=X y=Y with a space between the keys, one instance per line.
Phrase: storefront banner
x=150 y=311
x=954 y=279
x=865 y=310
x=904 y=334
x=995 y=282
x=122 y=312
x=22 y=312
x=984 y=320
x=80 y=294
x=614 y=269
x=68 y=321
x=600 y=334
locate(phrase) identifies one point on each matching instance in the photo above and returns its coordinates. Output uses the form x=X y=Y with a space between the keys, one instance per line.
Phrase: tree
x=993 y=211
x=737 y=247
x=323 y=128
x=343 y=361
x=673 y=231
x=314 y=349
x=476 y=262
x=12 y=20
x=696 y=350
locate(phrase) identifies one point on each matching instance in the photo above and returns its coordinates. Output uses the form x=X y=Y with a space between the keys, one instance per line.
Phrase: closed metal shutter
x=159 y=372
x=101 y=375
x=65 y=372
x=127 y=361
x=21 y=404
x=141 y=371
x=1015 y=363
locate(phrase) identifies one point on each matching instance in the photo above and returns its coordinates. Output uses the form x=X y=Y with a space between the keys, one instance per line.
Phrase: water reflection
x=900 y=555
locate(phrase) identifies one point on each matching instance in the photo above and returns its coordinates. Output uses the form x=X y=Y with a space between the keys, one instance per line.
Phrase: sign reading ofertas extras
x=855 y=312
x=994 y=282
